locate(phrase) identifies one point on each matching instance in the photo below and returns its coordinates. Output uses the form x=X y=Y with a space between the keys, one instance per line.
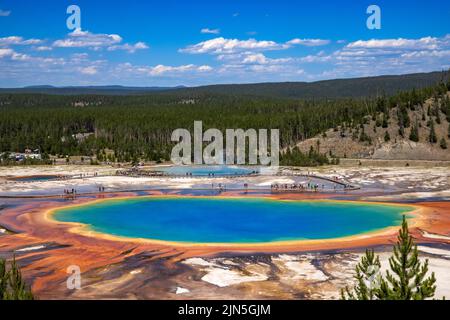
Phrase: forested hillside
x=418 y=131
x=126 y=128
x=339 y=88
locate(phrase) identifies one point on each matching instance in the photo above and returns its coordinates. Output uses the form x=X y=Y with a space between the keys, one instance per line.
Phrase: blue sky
x=168 y=43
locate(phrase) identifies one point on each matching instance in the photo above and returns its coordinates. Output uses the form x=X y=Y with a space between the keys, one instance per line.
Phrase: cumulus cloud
x=262 y=67
x=210 y=31
x=80 y=39
x=13 y=55
x=160 y=70
x=86 y=39
x=244 y=57
x=396 y=48
x=43 y=48
x=16 y=40
x=131 y=48
x=221 y=45
x=90 y=70
x=6 y=52
x=308 y=42
x=429 y=43
x=260 y=58
x=321 y=57
x=255 y=58
x=228 y=46
x=385 y=56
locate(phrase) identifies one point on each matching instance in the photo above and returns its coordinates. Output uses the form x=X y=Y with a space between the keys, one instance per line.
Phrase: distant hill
x=339 y=88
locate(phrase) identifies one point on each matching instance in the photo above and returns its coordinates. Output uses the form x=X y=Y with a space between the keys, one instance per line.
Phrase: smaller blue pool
x=36 y=178
x=205 y=171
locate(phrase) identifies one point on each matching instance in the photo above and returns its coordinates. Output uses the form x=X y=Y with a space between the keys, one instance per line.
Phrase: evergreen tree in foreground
x=3 y=278
x=12 y=285
x=406 y=279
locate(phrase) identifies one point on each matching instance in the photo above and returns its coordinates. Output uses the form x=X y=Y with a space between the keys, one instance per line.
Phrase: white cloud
x=204 y=68
x=43 y=48
x=260 y=58
x=255 y=58
x=161 y=70
x=429 y=43
x=210 y=31
x=6 y=52
x=308 y=42
x=221 y=45
x=320 y=57
x=270 y=69
x=86 y=39
x=91 y=70
x=229 y=46
x=13 y=55
x=16 y=40
x=31 y=42
x=429 y=54
x=385 y=56
x=4 y=13
x=131 y=48
x=80 y=39
x=396 y=48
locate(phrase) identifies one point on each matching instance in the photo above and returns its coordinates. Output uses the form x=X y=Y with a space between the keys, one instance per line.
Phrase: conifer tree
x=432 y=138
x=406 y=281
x=414 y=135
x=3 y=278
x=12 y=285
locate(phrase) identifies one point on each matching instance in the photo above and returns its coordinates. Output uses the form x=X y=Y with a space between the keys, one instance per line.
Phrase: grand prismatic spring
x=236 y=220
